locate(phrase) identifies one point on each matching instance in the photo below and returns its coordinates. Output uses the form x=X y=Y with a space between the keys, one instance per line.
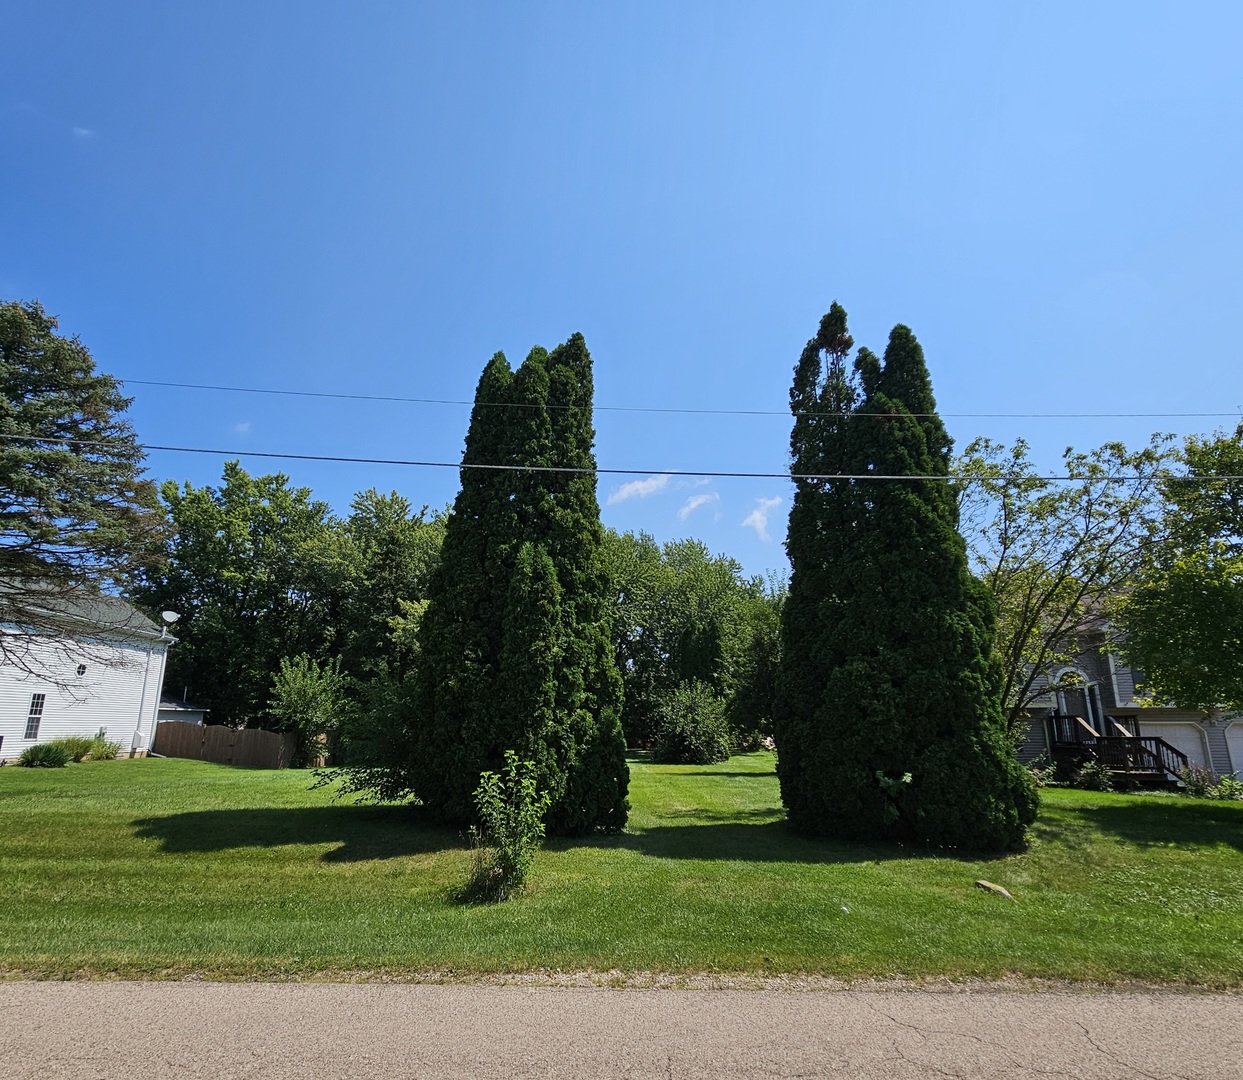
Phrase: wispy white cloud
x=758 y=518
x=639 y=489
x=84 y=133
x=695 y=502
x=655 y=485
x=242 y=428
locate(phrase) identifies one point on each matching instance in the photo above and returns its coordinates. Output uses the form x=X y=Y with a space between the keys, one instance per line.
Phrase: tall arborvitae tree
x=515 y=645
x=451 y=707
x=566 y=519
x=889 y=721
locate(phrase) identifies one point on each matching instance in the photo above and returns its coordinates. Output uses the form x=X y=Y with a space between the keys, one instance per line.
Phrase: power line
x=597 y=471
x=676 y=411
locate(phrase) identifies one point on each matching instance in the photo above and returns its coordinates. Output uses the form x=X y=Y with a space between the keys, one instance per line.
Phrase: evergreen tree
x=889 y=718
x=449 y=716
x=515 y=647
x=77 y=513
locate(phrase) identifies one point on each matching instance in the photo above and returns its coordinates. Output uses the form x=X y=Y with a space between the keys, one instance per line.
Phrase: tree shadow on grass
x=1166 y=822
x=359 y=832
x=766 y=841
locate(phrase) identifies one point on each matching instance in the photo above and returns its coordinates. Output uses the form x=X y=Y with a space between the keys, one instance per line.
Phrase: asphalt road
x=136 y=1031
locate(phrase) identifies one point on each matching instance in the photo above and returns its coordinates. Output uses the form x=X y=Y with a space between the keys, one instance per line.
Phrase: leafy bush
x=44 y=756
x=308 y=699
x=511 y=826
x=1228 y=787
x=691 y=728
x=76 y=746
x=102 y=749
x=1093 y=776
x=1042 y=772
x=1202 y=783
x=1198 y=781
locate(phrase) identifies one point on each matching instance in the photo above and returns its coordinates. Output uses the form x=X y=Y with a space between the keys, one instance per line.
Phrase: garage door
x=1234 y=740
x=1189 y=738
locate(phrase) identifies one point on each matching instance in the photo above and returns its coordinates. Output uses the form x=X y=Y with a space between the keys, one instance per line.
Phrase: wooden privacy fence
x=225 y=745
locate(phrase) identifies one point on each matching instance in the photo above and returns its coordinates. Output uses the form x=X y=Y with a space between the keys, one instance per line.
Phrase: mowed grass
x=163 y=868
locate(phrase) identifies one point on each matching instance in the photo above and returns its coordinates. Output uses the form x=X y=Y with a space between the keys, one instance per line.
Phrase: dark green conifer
x=453 y=702
x=889 y=719
x=516 y=652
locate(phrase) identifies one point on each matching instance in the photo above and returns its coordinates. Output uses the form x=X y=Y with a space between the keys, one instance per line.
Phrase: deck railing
x=1121 y=753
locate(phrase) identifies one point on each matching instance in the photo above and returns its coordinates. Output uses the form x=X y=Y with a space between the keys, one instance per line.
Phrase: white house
x=96 y=664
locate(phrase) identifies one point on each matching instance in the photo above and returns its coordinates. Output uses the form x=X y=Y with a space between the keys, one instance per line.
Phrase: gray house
x=1089 y=708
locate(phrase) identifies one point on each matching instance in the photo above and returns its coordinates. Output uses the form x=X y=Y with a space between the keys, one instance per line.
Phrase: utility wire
x=676 y=411
x=596 y=471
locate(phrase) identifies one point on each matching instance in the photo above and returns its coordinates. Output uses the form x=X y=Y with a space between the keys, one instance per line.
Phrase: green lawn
x=163 y=868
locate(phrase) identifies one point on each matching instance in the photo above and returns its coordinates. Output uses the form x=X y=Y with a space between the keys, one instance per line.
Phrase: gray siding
x=1035 y=744
x=1218 y=751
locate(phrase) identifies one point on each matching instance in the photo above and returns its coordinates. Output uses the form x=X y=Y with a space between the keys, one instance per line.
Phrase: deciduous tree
x=1184 y=619
x=251 y=566
x=1056 y=555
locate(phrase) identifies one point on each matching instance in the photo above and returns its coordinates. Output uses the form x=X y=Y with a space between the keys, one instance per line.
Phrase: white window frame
x=35 y=716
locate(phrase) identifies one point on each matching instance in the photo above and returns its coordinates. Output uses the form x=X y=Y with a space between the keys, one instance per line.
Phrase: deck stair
x=1144 y=760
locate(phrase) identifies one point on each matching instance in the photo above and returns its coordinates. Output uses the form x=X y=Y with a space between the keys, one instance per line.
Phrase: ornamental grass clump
x=45 y=756
x=511 y=827
x=77 y=747
x=103 y=748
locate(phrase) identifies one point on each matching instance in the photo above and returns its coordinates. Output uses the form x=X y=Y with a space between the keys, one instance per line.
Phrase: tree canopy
x=682 y=615
x=1057 y=556
x=1184 y=619
x=261 y=572
x=249 y=566
x=75 y=508
x=888 y=722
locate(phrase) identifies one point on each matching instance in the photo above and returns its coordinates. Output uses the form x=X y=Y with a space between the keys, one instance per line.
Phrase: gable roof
x=42 y=610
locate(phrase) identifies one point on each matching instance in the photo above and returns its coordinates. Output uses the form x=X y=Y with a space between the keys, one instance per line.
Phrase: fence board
x=249 y=747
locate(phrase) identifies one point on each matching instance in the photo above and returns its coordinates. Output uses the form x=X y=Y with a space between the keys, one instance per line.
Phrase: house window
x=35 y=715
x=81 y=669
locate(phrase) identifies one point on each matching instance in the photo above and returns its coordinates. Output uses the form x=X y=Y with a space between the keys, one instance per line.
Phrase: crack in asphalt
x=1001 y=1048
x=1087 y=1034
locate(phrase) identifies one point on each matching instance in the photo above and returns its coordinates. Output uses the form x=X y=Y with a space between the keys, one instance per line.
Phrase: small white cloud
x=695 y=502
x=84 y=133
x=639 y=489
x=242 y=428
x=758 y=518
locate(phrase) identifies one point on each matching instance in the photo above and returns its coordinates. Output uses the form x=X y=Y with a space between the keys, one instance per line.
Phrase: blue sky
x=374 y=198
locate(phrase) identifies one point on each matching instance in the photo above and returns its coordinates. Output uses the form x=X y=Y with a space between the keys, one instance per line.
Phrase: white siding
x=109 y=695
x=1187 y=736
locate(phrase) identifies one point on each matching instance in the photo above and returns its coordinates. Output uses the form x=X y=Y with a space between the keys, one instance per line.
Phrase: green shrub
x=1043 y=772
x=308 y=699
x=1197 y=781
x=1093 y=776
x=511 y=826
x=691 y=728
x=75 y=746
x=1228 y=787
x=44 y=756
x=102 y=749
